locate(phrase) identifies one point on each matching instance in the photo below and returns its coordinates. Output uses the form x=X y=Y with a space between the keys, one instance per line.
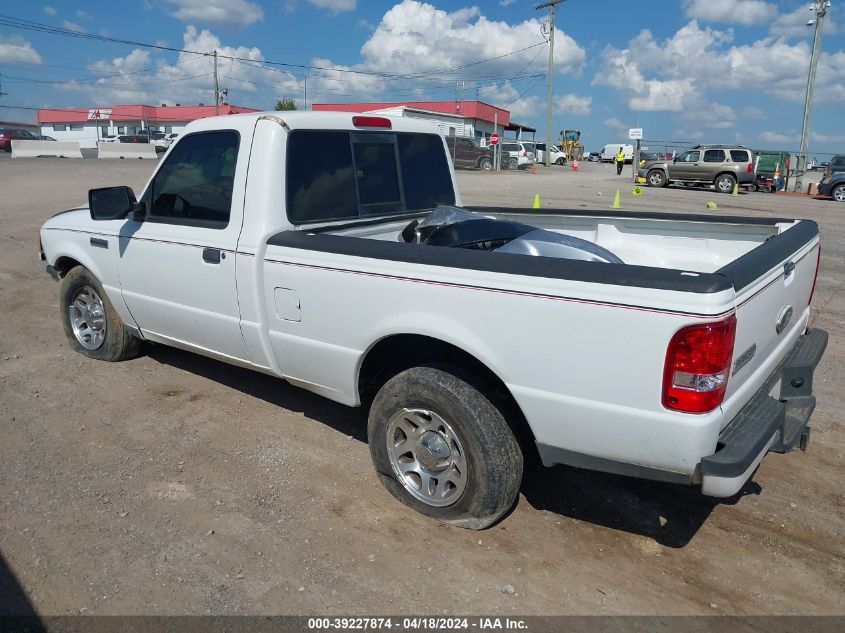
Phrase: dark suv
x=833 y=183
x=466 y=153
x=8 y=134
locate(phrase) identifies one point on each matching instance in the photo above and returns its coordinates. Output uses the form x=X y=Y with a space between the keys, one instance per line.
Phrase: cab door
x=686 y=166
x=177 y=266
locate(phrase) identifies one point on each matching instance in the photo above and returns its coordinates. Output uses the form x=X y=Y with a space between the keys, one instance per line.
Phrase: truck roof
x=293 y=120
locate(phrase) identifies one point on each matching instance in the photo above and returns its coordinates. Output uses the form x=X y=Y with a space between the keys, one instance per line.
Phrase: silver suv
x=723 y=166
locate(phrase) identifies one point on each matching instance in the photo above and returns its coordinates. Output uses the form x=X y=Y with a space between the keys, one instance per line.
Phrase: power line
x=19 y=23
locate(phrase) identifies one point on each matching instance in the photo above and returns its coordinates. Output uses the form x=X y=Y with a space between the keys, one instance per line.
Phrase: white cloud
x=416 y=37
x=827 y=138
x=228 y=13
x=49 y=10
x=14 y=48
x=572 y=104
x=616 y=124
x=189 y=81
x=745 y=12
x=780 y=137
x=710 y=115
x=684 y=69
x=335 y=6
x=753 y=113
x=793 y=25
x=506 y=3
x=73 y=26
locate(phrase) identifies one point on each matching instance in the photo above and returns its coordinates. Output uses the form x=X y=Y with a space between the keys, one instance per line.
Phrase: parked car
x=833 y=182
x=9 y=134
x=467 y=153
x=133 y=138
x=594 y=157
x=111 y=138
x=516 y=156
x=257 y=240
x=723 y=166
x=539 y=149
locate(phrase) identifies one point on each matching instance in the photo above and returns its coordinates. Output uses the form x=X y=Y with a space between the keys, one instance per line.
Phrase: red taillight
x=816 y=277
x=525 y=153
x=750 y=168
x=371 y=121
x=697 y=367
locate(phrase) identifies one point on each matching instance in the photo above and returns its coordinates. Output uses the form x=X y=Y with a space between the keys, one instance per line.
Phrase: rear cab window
x=339 y=174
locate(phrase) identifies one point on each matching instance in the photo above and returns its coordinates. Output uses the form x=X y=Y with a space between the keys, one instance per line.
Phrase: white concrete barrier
x=126 y=150
x=34 y=149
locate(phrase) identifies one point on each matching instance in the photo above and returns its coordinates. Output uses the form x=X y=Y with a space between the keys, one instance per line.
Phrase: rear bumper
x=765 y=423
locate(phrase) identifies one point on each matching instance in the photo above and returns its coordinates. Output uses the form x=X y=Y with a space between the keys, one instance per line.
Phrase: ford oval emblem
x=784 y=318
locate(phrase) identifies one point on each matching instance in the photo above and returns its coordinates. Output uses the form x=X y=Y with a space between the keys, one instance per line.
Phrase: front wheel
x=560 y=161
x=656 y=178
x=442 y=448
x=486 y=164
x=91 y=324
x=838 y=194
x=725 y=183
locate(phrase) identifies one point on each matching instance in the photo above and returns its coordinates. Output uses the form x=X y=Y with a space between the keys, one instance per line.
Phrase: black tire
x=560 y=161
x=838 y=193
x=725 y=183
x=656 y=178
x=513 y=163
x=118 y=344
x=486 y=164
x=492 y=455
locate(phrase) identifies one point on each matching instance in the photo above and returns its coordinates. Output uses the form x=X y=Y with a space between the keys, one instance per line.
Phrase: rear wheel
x=441 y=447
x=725 y=183
x=656 y=178
x=513 y=163
x=838 y=194
x=91 y=324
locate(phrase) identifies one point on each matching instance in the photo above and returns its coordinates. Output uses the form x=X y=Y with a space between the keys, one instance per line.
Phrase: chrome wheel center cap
x=433 y=451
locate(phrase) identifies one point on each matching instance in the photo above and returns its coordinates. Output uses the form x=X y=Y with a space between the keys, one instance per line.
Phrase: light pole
x=820 y=7
x=552 y=7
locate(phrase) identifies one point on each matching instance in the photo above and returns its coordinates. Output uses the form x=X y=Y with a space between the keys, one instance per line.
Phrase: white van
x=608 y=154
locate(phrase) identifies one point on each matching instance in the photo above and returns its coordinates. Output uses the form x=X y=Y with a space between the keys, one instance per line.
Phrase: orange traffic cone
x=574 y=165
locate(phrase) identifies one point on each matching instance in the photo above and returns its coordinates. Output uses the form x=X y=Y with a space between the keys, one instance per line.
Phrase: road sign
x=494 y=138
x=635 y=133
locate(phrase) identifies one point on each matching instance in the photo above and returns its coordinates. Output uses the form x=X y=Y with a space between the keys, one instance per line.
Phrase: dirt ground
x=174 y=484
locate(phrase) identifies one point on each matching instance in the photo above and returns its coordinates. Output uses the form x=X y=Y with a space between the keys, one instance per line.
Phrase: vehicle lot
x=176 y=484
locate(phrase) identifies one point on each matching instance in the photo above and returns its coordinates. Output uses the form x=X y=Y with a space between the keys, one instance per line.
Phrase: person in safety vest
x=620 y=161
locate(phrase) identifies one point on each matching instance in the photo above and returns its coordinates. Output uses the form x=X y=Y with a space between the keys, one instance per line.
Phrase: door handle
x=211 y=255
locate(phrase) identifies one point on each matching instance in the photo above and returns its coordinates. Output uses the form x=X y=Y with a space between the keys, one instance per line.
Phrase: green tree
x=285 y=104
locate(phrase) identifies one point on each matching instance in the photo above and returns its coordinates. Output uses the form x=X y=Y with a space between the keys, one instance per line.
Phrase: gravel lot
x=174 y=484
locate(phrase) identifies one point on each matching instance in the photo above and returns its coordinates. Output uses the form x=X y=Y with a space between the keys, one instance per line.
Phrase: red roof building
x=89 y=125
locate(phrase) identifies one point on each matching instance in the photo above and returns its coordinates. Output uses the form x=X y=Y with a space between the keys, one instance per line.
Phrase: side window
x=466 y=145
x=194 y=185
x=740 y=156
x=690 y=157
x=59 y=127
x=714 y=156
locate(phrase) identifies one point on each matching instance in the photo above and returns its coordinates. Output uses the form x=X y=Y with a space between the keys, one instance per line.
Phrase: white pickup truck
x=332 y=250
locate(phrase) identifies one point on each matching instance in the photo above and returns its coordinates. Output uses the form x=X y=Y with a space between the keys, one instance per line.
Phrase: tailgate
x=773 y=284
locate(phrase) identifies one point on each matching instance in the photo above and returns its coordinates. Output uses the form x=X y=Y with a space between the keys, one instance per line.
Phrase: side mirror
x=675 y=160
x=113 y=203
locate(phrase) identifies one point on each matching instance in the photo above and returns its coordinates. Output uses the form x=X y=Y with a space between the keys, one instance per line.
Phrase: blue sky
x=692 y=70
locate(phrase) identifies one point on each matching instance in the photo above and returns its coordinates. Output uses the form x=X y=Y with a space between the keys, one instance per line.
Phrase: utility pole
x=216 y=87
x=820 y=7
x=552 y=7
x=305 y=100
